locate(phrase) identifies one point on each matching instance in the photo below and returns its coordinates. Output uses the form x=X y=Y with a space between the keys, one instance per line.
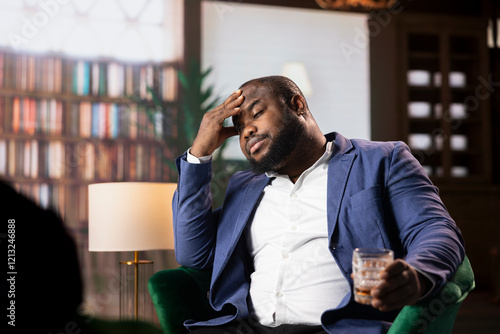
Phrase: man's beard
x=282 y=147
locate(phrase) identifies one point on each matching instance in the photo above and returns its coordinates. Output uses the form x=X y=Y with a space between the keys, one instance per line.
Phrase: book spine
x=95 y=79
x=34 y=159
x=95 y=120
x=86 y=79
x=44 y=114
x=16 y=115
x=3 y=157
x=2 y=71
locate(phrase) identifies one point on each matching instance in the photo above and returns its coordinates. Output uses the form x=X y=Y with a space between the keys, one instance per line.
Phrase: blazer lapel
x=246 y=205
x=250 y=199
x=339 y=168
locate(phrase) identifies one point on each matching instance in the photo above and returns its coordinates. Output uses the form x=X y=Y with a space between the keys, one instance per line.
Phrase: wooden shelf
x=454 y=47
x=69 y=97
x=66 y=123
x=464 y=57
x=76 y=139
x=423 y=55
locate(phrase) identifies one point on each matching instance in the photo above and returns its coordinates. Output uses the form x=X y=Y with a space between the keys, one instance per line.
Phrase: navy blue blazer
x=378 y=196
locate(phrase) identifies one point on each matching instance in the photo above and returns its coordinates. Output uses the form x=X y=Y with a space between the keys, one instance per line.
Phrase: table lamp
x=131 y=216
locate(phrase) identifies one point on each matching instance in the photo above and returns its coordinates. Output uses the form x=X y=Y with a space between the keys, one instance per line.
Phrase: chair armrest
x=436 y=314
x=180 y=294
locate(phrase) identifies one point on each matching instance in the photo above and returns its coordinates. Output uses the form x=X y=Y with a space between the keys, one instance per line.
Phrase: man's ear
x=298 y=104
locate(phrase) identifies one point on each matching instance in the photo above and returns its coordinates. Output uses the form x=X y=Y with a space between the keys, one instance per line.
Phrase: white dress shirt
x=296 y=278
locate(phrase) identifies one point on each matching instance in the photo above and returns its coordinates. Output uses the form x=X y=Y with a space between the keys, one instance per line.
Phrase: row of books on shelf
x=69 y=202
x=31 y=116
x=85 y=119
x=31 y=73
x=112 y=79
x=86 y=160
x=21 y=158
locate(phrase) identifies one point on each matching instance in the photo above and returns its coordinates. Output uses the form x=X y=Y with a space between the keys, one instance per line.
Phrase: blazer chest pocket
x=366 y=198
x=364 y=219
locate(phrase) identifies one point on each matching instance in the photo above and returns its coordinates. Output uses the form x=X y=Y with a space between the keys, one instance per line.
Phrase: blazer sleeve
x=429 y=236
x=195 y=224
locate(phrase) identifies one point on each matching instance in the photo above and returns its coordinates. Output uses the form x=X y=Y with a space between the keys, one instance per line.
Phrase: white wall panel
x=242 y=42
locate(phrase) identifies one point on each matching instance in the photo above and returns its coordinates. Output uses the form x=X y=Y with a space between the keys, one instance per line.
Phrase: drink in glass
x=367 y=264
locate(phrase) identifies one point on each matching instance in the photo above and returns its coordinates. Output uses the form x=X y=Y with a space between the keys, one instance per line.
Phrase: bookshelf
x=66 y=123
x=430 y=89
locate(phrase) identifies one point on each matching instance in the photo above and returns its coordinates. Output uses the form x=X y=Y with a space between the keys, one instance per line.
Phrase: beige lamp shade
x=130 y=216
x=296 y=71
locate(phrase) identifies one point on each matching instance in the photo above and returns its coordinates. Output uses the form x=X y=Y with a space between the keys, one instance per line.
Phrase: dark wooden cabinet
x=430 y=88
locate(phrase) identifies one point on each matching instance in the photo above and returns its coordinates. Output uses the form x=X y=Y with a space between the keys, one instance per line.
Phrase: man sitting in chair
x=280 y=249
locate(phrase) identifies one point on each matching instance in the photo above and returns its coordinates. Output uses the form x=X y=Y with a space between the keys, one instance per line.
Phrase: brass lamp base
x=135 y=301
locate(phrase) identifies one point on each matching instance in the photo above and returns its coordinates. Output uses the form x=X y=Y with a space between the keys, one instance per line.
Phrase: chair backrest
x=180 y=294
x=437 y=315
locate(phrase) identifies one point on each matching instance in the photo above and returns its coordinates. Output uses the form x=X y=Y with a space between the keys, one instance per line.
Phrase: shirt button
x=285 y=255
x=294 y=195
x=293 y=228
x=279 y=295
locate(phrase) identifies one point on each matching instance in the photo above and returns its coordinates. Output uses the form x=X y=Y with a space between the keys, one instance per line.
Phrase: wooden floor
x=479 y=314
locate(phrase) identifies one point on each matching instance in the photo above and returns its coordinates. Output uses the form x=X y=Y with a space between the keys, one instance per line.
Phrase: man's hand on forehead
x=212 y=133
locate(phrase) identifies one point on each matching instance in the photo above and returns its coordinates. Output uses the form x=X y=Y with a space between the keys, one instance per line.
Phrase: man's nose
x=249 y=131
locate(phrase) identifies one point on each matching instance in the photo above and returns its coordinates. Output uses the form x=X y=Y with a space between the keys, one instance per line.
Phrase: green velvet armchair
x=180 y=294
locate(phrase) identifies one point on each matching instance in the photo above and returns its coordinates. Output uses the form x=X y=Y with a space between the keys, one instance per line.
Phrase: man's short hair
x=279 y=86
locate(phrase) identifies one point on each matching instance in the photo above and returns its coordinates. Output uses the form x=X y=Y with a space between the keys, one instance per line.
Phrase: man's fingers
x=395 y=300
x=233 y=103
x=394 y=279
x=236 y=93
x=229 y=131
x=230 y=107
x=212 y=132
x=394 y=269
x=233 y=100
x=399 y=287
x=393 y=284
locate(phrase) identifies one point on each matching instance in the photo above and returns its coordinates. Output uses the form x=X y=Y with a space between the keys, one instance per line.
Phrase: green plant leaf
x=156 y=98
x=183 y=80
x=205 y=73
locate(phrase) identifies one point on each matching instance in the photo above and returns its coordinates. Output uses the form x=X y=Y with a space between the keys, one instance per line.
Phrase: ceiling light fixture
x=353 y=4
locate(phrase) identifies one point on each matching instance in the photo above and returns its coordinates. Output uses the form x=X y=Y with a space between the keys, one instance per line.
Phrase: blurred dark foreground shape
x=44 y=290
